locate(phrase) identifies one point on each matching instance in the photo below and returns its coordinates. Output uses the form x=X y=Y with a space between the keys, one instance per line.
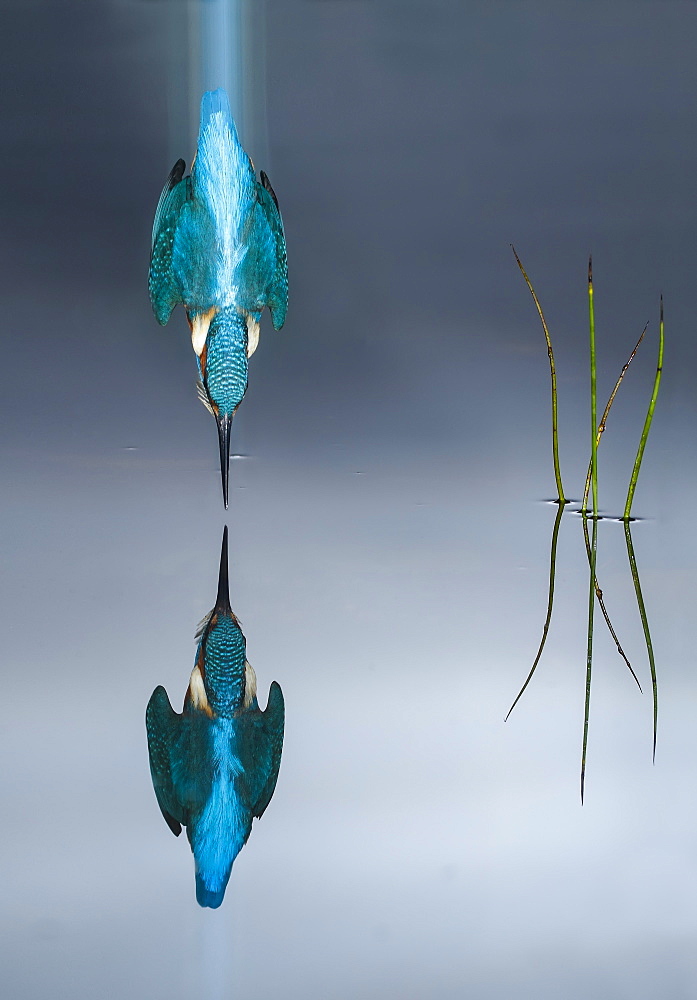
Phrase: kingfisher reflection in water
x=214 y=766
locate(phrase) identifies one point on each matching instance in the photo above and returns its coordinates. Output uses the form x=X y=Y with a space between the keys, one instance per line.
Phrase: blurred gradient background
x=389 y=546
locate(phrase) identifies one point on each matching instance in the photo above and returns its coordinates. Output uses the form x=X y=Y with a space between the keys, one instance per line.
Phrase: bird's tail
x=209 y=897
x=216 y=102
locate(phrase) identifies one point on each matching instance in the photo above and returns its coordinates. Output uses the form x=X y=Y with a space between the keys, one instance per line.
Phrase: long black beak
x=224 y=424
x=222 y=601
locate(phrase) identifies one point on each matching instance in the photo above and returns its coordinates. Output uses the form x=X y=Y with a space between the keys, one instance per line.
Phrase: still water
x=388 y=535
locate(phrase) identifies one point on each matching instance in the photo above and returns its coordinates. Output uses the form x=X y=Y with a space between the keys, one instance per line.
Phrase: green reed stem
x=594 y=540
x=628 y=537
x=594 y=423
x=601 y=602
x=600 y=431
x=550 y=602
x=606 y=411
x=647 y=423
x=645 y=626
x=589 y=651
x=553 y=372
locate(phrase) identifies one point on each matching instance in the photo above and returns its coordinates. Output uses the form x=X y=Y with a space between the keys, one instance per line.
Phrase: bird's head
x=222 y=682
x=220 y=342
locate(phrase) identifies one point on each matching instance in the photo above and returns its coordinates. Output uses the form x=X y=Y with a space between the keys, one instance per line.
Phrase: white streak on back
x=224 y=182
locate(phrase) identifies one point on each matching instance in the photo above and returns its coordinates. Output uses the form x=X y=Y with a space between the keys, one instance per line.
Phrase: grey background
x=389 y=547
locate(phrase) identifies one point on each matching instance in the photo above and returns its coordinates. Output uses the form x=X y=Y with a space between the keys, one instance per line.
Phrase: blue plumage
x=219 y=248
x=214 y=766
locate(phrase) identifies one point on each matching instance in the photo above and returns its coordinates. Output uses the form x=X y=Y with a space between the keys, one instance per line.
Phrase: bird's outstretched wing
x=162 y=284
x=263 y=743
x=163 y=726
x=278 y=295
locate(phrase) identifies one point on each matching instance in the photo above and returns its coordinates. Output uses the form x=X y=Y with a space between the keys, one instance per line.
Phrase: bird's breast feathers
x=200 y=324
x=199 y=697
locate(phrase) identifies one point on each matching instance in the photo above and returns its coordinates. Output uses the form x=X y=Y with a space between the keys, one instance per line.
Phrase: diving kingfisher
x=215 y=766
x=218 y=247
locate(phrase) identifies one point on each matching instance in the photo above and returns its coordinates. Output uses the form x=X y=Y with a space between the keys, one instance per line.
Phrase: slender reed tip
x=661 y=307
x=590 y=270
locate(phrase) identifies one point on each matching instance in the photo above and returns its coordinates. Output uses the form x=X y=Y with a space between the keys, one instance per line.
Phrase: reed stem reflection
x=595 y=592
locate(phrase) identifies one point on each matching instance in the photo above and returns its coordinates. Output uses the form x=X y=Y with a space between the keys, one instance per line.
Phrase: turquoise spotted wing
x=278 y=294
x=261 y=751
x=165 y=292
x=163 y=727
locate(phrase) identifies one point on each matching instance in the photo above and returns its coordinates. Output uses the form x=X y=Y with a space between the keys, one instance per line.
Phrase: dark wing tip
x=174 y=825
x=276 y=695
x=267 y=184
x=176 y=174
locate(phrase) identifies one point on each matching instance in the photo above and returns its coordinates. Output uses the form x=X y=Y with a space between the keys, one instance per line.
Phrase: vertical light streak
x=214 y=43
x=221 y=46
